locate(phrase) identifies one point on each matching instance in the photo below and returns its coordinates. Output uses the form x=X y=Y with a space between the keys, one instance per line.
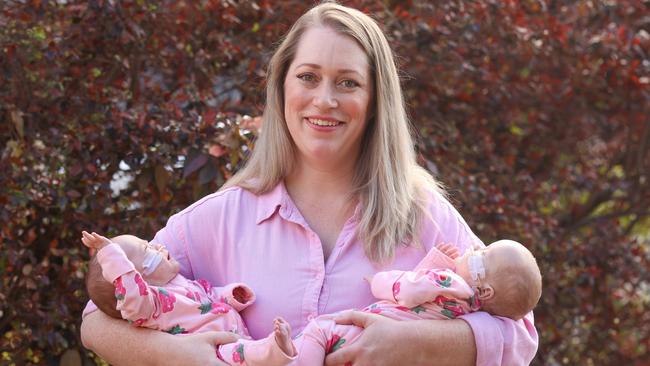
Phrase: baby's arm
x=412 y=288
x=136 y=300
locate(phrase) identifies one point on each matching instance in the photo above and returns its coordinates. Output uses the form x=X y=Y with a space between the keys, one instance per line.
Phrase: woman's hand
x=380 y=344
x=388 y=342
x=200 y=348
x=140 y=346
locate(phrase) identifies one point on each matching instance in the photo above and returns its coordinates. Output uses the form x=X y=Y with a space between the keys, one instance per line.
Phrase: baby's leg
x=274 y=350
x=321 y=337
x=282 y=333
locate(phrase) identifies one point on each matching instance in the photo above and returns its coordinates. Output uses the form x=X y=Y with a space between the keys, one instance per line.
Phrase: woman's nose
x=325 y=97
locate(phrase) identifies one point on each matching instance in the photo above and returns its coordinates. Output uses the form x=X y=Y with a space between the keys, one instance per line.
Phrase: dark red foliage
x=535 y=114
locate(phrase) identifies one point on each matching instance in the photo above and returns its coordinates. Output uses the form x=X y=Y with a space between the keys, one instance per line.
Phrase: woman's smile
x=324 y=124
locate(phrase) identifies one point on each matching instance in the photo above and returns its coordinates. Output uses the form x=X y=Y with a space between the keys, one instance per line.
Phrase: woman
x=331 y=194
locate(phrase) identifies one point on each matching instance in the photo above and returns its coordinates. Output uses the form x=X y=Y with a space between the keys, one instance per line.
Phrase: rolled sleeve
x=90 y=307
x=503 y=341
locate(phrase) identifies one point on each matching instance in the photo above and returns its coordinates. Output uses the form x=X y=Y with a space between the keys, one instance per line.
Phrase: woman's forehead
x=325 y=47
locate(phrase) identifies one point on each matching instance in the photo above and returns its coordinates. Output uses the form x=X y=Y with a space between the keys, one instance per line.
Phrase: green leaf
x=339 y=343
x=176 y=329
x=37 y=33
x=418 y=309
x=205 y=308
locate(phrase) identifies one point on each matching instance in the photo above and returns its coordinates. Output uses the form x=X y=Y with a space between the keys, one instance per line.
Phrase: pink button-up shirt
x=236 y=236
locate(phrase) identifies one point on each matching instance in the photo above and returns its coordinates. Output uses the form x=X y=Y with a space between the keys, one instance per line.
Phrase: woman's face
x=327 y=93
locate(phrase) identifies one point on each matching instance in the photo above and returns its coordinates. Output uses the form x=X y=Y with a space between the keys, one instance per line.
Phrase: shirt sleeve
x=172 y=236
x=503 y=341
x=90 y=307
x=136 y=300
x=499 y=341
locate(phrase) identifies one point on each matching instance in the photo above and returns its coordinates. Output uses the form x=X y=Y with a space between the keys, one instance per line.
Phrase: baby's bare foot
x=282 y=331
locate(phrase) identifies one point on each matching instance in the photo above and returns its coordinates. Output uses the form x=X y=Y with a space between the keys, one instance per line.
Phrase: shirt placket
x=317 y=268
x=315 y=260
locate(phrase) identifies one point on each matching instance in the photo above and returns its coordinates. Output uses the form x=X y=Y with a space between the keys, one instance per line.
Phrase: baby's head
x=506 y=278
x=152 y=261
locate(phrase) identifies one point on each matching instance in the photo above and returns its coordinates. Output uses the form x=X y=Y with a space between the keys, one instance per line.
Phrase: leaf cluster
x=534 y=114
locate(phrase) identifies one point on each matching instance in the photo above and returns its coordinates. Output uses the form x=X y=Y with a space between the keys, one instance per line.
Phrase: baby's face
x=151 y=260
x=479 y=266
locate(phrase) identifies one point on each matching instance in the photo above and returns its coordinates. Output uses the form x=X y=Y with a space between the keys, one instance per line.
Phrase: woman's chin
x=326 y=155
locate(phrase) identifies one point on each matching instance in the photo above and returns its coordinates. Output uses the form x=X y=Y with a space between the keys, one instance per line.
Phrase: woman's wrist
x=433 y=339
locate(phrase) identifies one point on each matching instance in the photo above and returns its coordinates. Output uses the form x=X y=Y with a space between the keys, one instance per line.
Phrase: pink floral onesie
x=432 y=291
x=185 y=306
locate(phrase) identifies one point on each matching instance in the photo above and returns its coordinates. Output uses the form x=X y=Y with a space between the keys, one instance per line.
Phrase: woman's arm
x=122 y=344
x=418 y=342
x=476 y=339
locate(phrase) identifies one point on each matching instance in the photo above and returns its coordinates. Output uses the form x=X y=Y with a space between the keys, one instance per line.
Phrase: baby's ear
x=485 y=292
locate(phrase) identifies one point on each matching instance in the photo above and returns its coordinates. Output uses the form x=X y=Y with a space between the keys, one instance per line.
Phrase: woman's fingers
x=344 y=356
x=218 y=338
x=358 y=351
x=358 y=318
x=200 y=348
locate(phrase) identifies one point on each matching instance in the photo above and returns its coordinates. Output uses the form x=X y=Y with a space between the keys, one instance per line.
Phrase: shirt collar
x=270 y=202
x=278 y=200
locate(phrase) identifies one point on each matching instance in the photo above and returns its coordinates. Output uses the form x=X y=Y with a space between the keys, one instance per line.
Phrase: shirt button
x=311 y=316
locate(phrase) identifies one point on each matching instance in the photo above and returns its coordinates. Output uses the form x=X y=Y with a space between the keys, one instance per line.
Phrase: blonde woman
x=331 y=194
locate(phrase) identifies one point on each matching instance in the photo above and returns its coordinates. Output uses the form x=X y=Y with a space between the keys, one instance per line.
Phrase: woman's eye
x=349 y=84
x=307 y=77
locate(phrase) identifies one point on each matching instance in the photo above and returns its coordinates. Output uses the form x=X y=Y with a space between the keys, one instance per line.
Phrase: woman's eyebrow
x=342 y=71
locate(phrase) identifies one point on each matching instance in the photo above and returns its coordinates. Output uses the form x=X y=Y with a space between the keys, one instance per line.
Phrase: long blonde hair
x=392 y=188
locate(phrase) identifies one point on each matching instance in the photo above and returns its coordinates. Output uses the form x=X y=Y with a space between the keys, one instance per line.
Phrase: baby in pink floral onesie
x=133 y=280
x=502 y=279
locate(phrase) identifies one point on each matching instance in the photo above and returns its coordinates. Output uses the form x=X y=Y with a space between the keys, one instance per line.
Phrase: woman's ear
x=485 y=292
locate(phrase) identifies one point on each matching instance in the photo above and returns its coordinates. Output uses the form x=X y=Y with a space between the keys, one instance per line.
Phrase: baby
x=131 y=279
x=502 y=279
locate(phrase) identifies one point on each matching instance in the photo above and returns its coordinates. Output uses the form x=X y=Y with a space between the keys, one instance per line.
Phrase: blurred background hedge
x=535 y=114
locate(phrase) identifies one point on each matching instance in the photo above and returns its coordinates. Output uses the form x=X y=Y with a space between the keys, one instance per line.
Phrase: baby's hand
x=448 y=249
x=94 y=240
